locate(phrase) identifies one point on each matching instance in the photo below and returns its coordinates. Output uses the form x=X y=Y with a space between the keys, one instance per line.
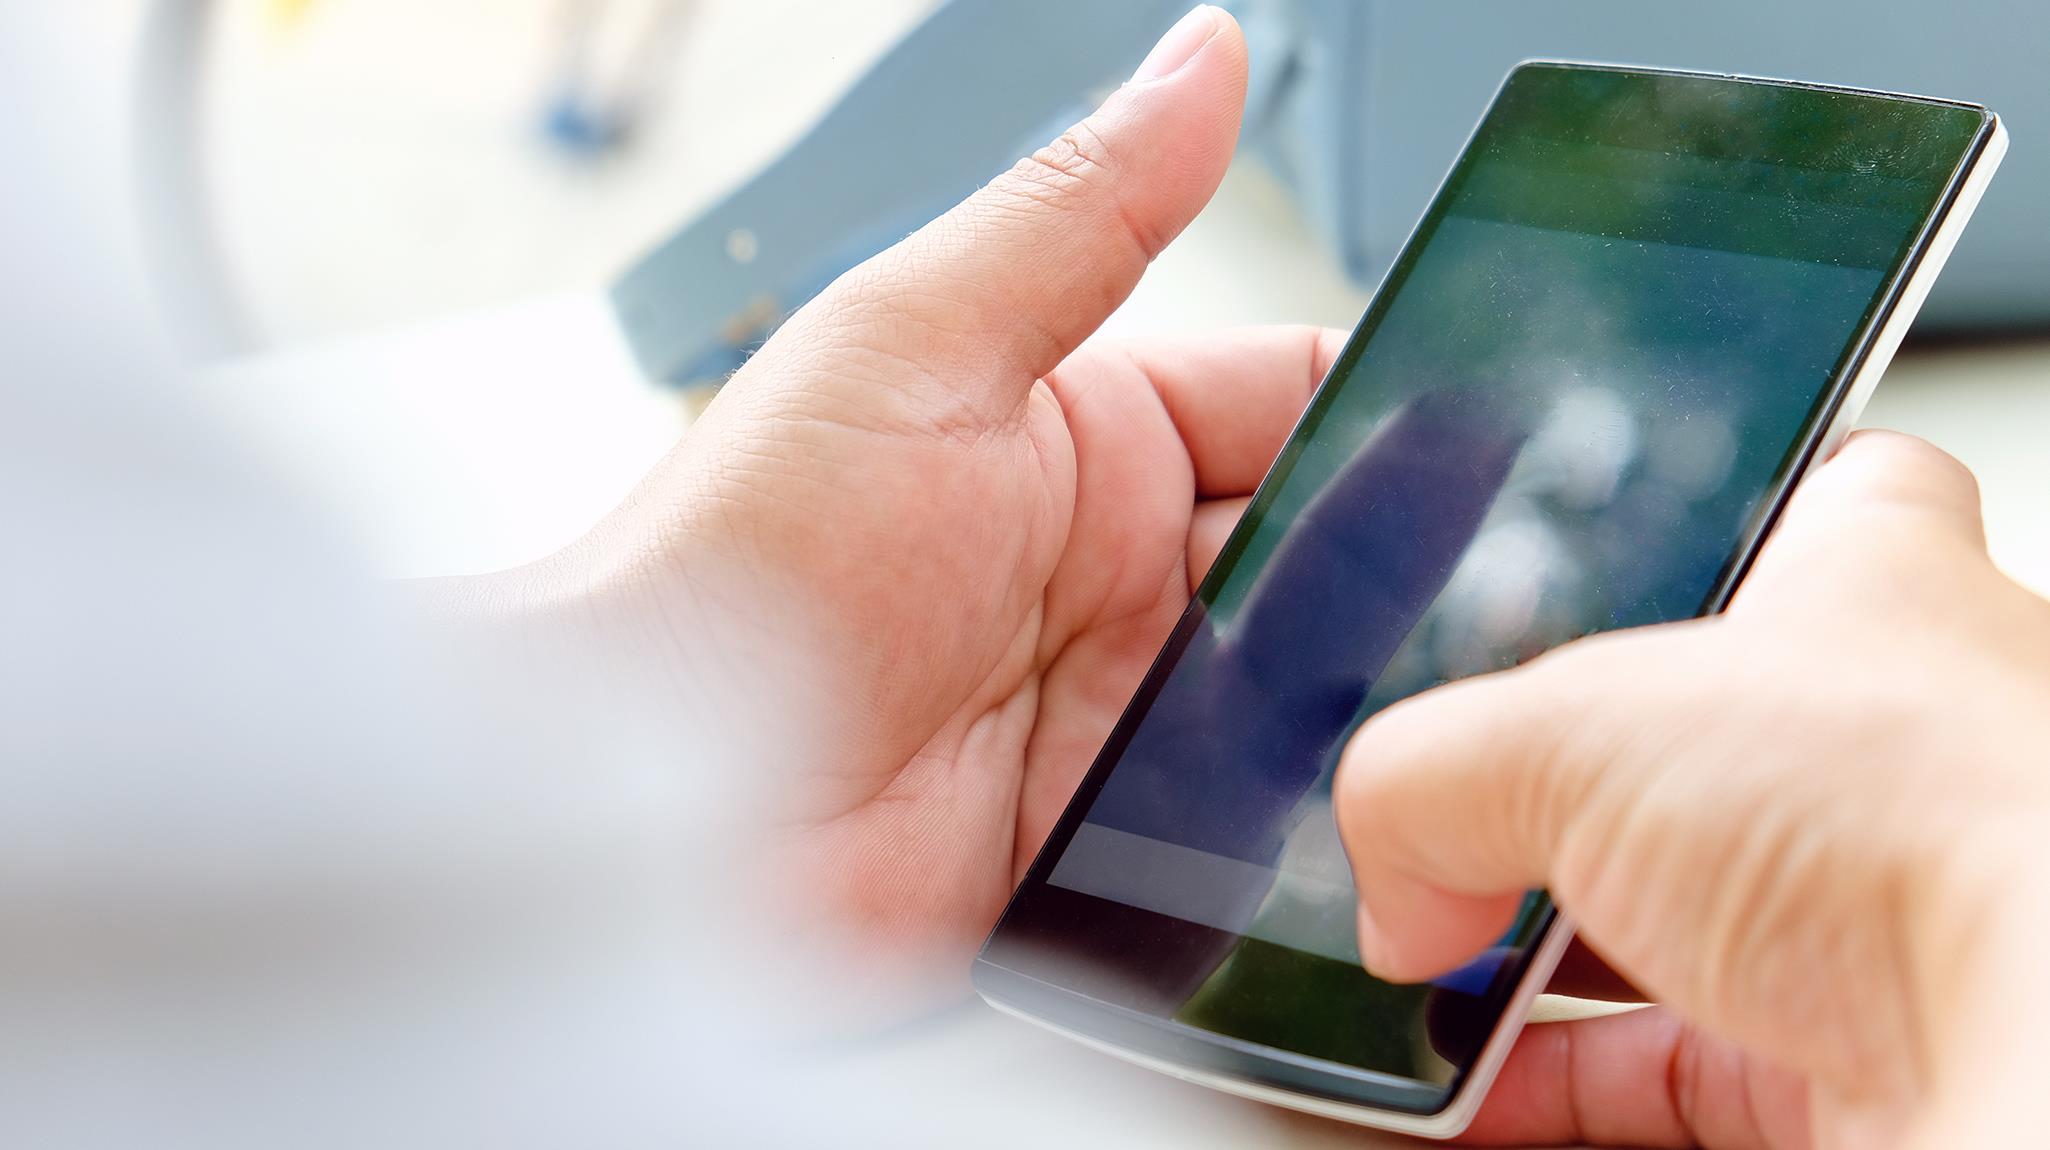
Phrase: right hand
x=1810 y=827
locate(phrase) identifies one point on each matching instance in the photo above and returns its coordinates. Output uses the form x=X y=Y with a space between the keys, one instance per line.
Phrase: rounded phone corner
x=980 y=977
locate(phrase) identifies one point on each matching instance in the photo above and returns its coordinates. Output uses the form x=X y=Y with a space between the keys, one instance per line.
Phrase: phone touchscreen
x=1575 y=405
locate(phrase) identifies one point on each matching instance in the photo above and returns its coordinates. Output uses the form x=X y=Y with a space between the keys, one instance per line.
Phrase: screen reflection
x=1571 y=409
x=1551 y=433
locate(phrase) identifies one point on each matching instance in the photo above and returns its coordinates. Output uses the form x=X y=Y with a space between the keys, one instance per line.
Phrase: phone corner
x=990 y=982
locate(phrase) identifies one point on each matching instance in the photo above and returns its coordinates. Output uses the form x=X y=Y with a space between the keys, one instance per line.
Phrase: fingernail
x=1180 y=45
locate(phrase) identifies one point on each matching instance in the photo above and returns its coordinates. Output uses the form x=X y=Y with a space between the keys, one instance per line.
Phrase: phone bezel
x=1366 y=1097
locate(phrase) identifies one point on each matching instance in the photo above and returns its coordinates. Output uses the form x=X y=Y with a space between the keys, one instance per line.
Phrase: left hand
x=946 y=540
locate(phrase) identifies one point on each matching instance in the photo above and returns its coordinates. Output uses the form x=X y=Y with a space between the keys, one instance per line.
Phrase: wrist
x=609 y=613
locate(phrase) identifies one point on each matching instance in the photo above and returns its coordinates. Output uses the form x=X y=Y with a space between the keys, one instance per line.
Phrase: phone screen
x=1574 y=406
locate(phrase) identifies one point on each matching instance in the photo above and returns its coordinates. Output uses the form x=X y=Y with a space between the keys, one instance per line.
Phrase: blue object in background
x=581 y=127
x=1384 y=92
x=1359 y=105
x=976 y=85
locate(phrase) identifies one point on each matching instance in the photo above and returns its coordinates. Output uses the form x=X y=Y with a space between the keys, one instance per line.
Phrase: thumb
x=1875 y=517
x=1453 y=803
x=997 y=292
x=1888 y=472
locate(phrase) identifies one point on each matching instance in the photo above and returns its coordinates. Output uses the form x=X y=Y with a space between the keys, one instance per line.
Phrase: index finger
x=1643 y=1078
x=1234 y=397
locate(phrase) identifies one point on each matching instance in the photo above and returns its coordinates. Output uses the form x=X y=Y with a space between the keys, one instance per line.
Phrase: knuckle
x=1078 y=172
x=1076 y=160
x=1685 y=1066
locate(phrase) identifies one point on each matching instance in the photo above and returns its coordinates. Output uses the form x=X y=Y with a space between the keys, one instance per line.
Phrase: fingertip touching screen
x=1573 y=407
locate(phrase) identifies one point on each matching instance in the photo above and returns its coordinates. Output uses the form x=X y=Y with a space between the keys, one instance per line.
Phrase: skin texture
x=919 y=552
x=973 y=531
x=1808 y=827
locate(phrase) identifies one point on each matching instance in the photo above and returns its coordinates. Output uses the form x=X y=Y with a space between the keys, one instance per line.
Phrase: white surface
x=377 y=162
x=465 y=446
x=492 y=439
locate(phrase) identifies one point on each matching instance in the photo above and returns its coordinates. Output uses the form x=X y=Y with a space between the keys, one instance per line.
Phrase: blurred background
x=408 y=236
x=372 y=164
x=467 y=267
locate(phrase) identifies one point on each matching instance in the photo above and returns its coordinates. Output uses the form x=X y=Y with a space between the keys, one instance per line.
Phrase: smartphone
x=1640 y=306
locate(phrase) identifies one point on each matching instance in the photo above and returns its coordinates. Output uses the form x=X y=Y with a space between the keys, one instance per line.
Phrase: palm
x=964 y=537
x=1048 y=559
x=1168 y=446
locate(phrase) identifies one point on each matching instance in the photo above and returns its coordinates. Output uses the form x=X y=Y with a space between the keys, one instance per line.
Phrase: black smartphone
x=1640 y=306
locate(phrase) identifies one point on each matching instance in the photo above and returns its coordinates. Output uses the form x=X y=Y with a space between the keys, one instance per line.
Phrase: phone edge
x=1880 y=345
x=1427 y=1125
x=1949 y=230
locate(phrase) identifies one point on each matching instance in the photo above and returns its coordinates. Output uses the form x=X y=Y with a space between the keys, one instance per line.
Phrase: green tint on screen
x=1573 y=407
